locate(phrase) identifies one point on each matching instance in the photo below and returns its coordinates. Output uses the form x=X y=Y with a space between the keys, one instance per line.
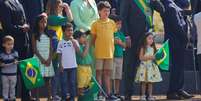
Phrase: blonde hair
x=7 y=38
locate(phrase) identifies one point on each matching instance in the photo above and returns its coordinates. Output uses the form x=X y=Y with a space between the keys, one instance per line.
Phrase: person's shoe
x=151 y=98
x=112 y=98
x=184 y=94
x=128 y=98
x=119 y=96
x=56 y=98
x=101 y=98
x=143 y=98
x=174 y=96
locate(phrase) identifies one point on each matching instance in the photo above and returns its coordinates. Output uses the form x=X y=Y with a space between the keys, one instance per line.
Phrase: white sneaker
x=151 y=98
x=56 y=98
x=143 y=98
x=101 y=98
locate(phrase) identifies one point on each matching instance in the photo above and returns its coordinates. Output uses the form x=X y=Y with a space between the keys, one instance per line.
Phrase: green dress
x=148 y=71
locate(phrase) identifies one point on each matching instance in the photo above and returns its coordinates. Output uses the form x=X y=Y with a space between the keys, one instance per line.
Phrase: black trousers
x=176 y=65
x=199 y=67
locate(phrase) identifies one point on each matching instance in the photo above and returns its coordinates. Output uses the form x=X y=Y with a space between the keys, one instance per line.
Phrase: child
x=66 y=50
x=8 y=62
x=43 y=50
x=120 y=45
x=103 y=39
x=147 y=72
x=84 y=60
x=56 y=19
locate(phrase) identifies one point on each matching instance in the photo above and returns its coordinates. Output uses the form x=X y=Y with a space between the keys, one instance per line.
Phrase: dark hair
x=7 y=38
x=67 y=25
x=103 y=4
x=78 y=34
x=36 y=32
x=143 y=42
x=116 y=18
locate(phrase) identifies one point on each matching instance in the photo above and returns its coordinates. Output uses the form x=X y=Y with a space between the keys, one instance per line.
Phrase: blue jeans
x=68 y=82
x=55 y=80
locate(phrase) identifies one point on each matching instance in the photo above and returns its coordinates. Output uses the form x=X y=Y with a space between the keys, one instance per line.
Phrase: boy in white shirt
x=66 y=50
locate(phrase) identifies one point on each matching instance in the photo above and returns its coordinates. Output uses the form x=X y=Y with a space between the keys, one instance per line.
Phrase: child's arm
x=86 y=49
x=75 y=45
x=143 y=57
x=60 y=62
x=121 y=43
x=35 y=50
x=68 y=12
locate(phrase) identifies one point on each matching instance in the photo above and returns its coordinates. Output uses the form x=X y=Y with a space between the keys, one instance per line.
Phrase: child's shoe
x=143 y=98
x=151 y=98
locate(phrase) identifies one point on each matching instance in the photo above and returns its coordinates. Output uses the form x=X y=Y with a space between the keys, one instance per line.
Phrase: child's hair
x=51 y=6
x=37 y=27
x=7 y=38
x=143 y=43
x=103 y=4
x=67 y=25
x=78 y=34
x=116 y=18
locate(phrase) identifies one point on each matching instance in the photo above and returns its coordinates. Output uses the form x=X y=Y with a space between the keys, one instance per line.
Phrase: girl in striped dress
x=42 y=50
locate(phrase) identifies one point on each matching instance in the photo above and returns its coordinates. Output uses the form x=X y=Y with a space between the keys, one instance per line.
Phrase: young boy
x=84 y=61
x=120 y=45
x=103 y=39
x=8 y=64
x=66 y=50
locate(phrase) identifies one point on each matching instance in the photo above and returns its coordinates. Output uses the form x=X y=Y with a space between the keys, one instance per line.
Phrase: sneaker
x=151 y=98
x=101 y=98
x=112 y=98
x=143 y=98
x=56 y=98
x=119 y=96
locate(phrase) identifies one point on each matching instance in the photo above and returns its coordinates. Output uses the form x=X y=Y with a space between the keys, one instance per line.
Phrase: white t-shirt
x=68 y=54
x=197 y=20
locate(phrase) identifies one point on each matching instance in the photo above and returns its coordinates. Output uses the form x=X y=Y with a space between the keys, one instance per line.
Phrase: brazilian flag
x=31 y=73
x=162 y=56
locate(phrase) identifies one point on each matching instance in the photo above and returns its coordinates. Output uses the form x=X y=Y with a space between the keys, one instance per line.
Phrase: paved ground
x=159 y=98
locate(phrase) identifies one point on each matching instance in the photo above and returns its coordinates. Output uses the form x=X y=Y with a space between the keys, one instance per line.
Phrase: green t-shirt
x=118 y=52
x=87 y=60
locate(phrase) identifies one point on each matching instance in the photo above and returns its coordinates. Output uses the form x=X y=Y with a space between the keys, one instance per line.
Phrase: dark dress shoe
x=174 y=96
x=184 y=94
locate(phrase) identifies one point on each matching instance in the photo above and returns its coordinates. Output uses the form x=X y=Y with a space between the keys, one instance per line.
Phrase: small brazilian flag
x=162 y=56
x=31 y=73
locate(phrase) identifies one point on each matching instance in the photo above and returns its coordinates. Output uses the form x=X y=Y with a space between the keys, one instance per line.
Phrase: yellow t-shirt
x=104 y=42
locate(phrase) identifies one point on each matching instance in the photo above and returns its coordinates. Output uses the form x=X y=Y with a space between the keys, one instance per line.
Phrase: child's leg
x=99 y=68
x=5 y=87
x=12 y=84
x=118 y=65
x=72 y=82
x=64 y=81
x=117 y=86
x=107 y=70
x=150 y=88
x=143 y=88
x=48 y=85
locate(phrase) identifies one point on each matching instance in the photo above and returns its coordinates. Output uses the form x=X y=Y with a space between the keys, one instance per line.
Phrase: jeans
x=55 y=80
x=68 y=82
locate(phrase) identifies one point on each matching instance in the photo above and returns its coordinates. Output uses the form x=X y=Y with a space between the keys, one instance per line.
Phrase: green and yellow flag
x=31 y=73
x=145 y=8
x=162 y=56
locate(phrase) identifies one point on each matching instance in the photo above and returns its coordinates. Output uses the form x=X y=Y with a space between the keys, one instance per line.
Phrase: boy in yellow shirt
x=103 y=39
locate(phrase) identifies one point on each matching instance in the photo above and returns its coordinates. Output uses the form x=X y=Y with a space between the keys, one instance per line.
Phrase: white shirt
x=197 y=20
x=68 y=54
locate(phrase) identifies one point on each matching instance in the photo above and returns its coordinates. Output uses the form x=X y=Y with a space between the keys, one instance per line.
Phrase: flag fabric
x=162 y=56
x=91 y=93
x=31 y=74
x=145 y=8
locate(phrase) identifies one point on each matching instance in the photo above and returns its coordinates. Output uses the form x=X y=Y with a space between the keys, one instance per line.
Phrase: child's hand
x=43 y=61
x=151 y=57
x=66 y=7
x=61 y=69
x=16 y=62
x=48 y=62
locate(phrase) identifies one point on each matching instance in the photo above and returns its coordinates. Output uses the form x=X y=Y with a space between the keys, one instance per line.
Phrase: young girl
x=147 y=72
x=43 y=51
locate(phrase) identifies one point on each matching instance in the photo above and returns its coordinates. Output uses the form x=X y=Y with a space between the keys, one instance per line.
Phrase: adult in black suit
x=14 y=23
x=175 y=31
x=134 y=25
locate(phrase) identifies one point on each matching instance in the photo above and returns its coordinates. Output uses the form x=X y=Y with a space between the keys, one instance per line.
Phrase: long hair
x=36 y=27
x=51 y=7
x=143 y=43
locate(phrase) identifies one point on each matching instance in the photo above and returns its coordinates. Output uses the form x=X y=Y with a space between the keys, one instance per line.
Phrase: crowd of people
x=76 y=40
